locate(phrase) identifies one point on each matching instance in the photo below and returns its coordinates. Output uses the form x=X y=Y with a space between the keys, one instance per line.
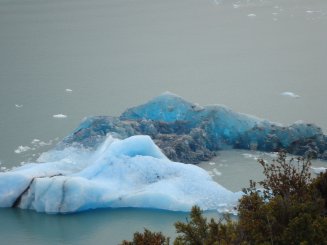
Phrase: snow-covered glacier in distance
x=137 y=159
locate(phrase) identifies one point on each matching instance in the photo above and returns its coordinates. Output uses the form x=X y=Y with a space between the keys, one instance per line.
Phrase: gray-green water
x=94 y=227
x=115 y=54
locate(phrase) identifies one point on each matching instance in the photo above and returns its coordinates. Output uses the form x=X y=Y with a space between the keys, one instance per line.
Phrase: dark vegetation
x=148 y=238
x=287 y=207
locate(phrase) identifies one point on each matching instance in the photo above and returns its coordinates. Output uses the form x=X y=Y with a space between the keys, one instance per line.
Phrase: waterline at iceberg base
x=135 y=160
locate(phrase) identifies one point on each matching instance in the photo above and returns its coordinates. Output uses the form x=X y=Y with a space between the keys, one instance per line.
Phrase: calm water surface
x=114 y=54
x=94 y=227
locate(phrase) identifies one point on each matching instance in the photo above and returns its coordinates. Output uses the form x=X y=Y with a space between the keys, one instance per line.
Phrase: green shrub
x=198 y=231
x=147 y=238
x=287 y=207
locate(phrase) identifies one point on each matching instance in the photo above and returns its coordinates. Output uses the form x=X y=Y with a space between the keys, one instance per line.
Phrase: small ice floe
x=290 y=94
x=272 y=154
x=3 y=168
x=39 y=143
x=22 y=149
x=18 y=106
x=250 y=156
x=212 y=163
x=319 y=170
x=275 y=13
x=311 y=11
x=252 y=15
x=42 y=143
x=216 y=172
x=68 y=90
x=236 y=6
x=35 y=141
x=59 y=116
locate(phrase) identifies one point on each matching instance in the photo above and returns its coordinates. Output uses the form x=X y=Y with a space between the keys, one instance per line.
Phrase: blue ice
x=121 y=173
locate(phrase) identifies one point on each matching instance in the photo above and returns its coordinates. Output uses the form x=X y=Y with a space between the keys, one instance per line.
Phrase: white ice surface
x=120 y=173
x=59 y=116
x=319 y=170
x=290 y=94
x=21 y=149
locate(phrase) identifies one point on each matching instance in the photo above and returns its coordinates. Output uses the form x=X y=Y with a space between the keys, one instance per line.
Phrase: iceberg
x=137 y=159
x=121 y=173
x=189 y=133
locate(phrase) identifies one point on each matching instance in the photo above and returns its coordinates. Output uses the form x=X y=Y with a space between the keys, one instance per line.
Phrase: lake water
x=114 y=54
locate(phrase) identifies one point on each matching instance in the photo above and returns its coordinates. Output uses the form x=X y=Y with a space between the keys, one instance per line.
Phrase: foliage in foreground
x=287 y=207
x=147 y=238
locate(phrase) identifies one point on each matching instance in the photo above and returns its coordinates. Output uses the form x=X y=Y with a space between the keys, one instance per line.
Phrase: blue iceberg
x=121 y=173
x=187 y=132
x=135 y=160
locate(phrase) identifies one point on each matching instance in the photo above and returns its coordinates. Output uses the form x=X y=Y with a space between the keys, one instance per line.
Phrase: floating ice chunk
x=215 y=127
x=216 y=172
x=235 y=6
x=35 y=141
x=59 y=116
x=319 y=170
x=290 y=94
x=250 y=156
x=18 y=106
x=212 y=163
x=211 y=174
x=252 y=15
x=42 y=143
x=22 y=149
x=39 y=143
x=119 y=173
x=312 y=11
x=68 y=90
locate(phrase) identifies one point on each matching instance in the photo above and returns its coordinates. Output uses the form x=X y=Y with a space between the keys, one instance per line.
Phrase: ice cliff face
x=189 y=133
